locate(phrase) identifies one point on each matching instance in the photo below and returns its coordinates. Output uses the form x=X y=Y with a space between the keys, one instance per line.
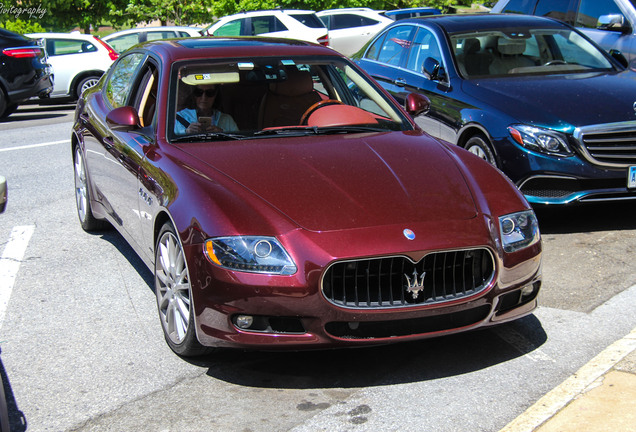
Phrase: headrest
x=511 y=46
x=471 y=46
x=296 y=84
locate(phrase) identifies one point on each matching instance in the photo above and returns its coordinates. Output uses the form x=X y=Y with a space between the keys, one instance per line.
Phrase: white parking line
x=30 y=146
x=10 y=263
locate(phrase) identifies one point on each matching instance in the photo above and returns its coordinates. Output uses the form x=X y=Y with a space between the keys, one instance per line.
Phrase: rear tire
x=84 y=84
x=479 y=146
x=174 y=295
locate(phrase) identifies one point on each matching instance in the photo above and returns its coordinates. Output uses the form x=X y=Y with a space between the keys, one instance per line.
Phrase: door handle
x=400 y=82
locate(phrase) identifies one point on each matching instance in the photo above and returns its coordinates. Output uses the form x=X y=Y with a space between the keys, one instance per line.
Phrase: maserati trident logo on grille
x=416 y=284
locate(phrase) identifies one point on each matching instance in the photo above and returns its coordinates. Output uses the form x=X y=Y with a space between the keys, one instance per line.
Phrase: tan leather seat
x=285 y=102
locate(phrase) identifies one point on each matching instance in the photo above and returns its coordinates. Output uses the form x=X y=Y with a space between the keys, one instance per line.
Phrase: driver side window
x=591 y=10
x=120 y=81
x=424 y=46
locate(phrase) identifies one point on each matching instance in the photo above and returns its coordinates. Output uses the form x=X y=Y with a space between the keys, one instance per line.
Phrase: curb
x=558 y=398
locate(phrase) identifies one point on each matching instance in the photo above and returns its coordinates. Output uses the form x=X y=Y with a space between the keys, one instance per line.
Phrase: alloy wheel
x=172 y=286
x=81 y=186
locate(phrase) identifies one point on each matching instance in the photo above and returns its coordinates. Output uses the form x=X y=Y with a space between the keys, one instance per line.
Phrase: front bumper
x=291 y=312
x=549 y=180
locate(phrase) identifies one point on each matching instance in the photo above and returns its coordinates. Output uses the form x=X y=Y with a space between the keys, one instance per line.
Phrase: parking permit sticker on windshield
x=631 y=177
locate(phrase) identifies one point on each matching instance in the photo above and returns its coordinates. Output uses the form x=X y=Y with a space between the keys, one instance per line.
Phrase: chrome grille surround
x=610 y=144
x=383 y=282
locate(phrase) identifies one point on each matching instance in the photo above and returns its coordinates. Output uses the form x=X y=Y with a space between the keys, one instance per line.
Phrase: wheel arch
x=474 y=129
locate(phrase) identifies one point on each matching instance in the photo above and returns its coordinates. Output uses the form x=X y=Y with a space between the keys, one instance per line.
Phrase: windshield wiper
x=210 y=136
x=314 y=130
x=293 y=130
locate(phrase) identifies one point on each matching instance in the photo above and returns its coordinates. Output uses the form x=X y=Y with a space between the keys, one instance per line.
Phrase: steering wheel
x=314 y=107
x=555 y=62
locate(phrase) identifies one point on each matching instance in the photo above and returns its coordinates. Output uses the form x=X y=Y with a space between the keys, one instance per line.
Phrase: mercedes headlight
x=541 y=140
x=519 y=230
x=252 y=254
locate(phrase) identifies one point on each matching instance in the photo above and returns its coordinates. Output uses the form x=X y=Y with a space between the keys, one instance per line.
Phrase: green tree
x=180 y=12
x=64 y=15
x=21 y=27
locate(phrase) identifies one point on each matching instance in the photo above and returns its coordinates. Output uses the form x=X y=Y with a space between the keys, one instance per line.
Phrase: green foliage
x=180 y=12
x=21 y=27
x=88 y=15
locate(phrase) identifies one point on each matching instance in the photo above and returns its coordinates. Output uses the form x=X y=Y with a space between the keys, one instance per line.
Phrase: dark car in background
x=531 y=95
x=320 y=216
x=24 y=72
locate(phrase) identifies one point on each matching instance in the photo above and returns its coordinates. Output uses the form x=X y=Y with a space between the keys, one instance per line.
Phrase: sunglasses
x=197 y=92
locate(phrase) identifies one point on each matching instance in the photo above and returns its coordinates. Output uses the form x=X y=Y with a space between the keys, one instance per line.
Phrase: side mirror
x=619 y=57
x=417 y=104
x=613 y=23
x=433 y=70
x=123 y=119
x=3 y=194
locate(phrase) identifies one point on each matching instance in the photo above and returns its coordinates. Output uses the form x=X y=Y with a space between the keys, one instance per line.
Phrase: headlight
x=252 y=254
x=541 y=140
x=519 y=230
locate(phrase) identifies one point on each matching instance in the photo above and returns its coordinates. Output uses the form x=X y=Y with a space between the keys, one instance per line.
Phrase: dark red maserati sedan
x=284 y=200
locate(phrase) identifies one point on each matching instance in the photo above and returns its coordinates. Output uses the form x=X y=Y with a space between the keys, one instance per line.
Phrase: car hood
x=326 y=183
x=561 y=101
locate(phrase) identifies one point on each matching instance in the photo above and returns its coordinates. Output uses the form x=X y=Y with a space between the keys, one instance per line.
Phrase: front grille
x=610 y=145
x=394 y=282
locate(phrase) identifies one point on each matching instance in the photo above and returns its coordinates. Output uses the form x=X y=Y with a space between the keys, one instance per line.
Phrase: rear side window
x=520 y=7
x=343 y=21
x=396 y=45
x=310 y=20
x=55 y=47
x=558 y=9
x=233 y=28
x=266 y=24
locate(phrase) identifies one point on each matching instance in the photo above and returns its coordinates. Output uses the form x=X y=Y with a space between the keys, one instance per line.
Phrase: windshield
x=530 y=51
x=268 y=96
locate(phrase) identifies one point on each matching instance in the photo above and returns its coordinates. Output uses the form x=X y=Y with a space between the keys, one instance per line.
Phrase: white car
x=289 y=24
x=350 y=28
x=78 y=61
x=124 y=39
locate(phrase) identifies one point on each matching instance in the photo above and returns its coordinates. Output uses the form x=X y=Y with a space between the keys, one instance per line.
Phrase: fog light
x=527 y=290
x=244 y=321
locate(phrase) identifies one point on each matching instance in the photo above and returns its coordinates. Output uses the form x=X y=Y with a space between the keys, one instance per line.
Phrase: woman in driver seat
x=200 y=115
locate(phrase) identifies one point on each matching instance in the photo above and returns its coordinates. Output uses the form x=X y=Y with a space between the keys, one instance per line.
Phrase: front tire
x=479 y=146
x=174 y=295
x=82 y=196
